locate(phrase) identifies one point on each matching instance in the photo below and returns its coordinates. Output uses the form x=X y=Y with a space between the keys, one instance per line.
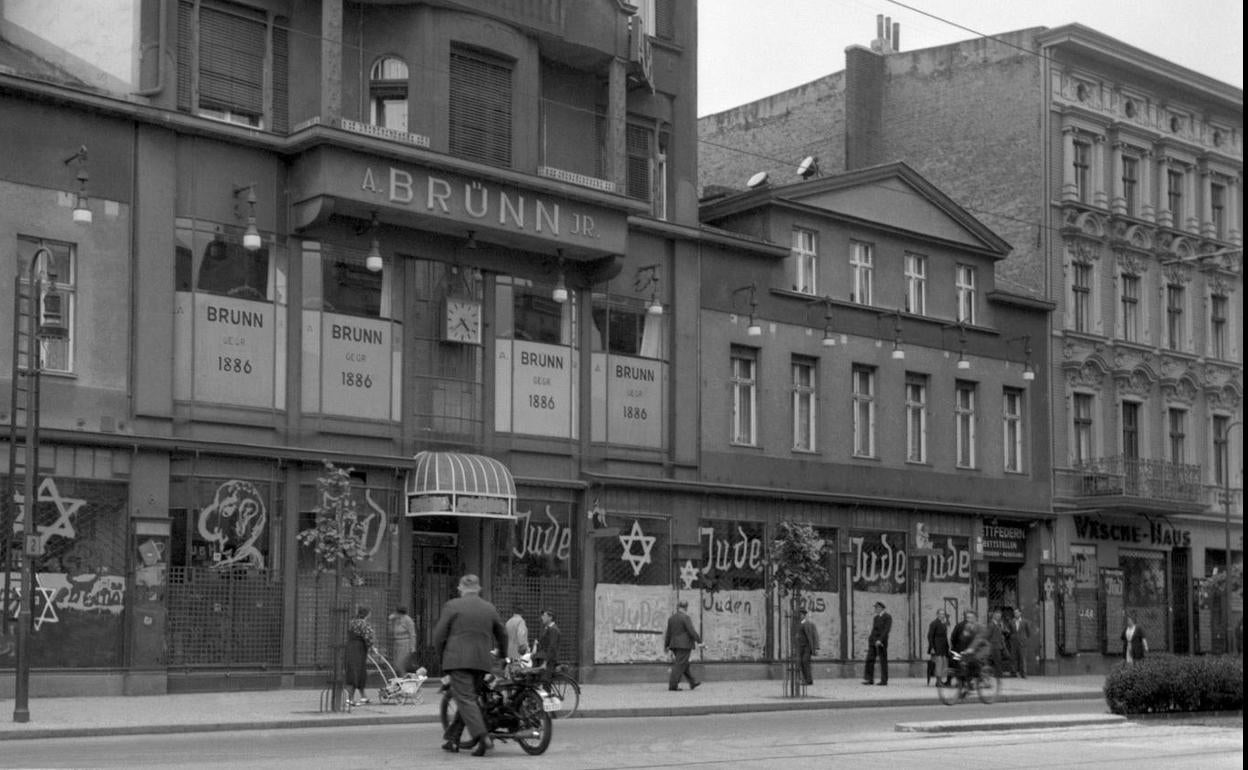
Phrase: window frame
x=804 y=397
x=1176 y=302
x=1175 y=179
x=1082 y=163
x=805 y=260
x=964 y=410
x=967 y=296
x=63 y=282
x=1176 y=434
x=387 y=91
x=861 y=268
x=1083 y=416
x=1219 y=328
x=864 y=409
x=1013 y=426
x=743 y=381
x=1081 y=296
x=916 y=389
x=481 y=122
x=1220 y=462
x=916 y=283
x=1129 y=306
x=1129 y=412
x=1131 y=185
x=1217 y=209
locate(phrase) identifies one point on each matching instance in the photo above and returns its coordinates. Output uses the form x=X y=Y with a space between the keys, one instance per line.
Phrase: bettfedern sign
x=478 y=204
x=1004 y=541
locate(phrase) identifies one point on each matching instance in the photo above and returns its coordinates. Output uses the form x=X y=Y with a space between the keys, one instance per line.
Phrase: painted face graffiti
x=233 y=523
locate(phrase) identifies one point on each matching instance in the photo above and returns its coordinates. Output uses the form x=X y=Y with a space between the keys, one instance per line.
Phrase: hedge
x=1161 y=684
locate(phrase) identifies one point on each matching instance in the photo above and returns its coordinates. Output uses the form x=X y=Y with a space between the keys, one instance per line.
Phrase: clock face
x=463 y=320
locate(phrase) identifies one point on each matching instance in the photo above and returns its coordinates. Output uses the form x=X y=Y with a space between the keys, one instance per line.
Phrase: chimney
x=864 y=98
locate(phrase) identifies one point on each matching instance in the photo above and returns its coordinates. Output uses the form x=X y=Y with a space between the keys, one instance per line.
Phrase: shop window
x=336 y=280
x=387 y=93
x=623 y=325
x=238 y=70
x=1084 y=612
x=526 y=311
x=1146 y=595
x=480 y=107
x=539 y=542
x=60 y=282
x=212 y=260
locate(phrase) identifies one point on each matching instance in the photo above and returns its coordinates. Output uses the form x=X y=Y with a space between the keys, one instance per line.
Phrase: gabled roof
x=892 y=195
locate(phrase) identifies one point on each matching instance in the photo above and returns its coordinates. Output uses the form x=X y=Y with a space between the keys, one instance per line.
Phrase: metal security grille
x=639 y=141
x=480 y=108
x=1146 y=598
x=224 y=617
x=320 y=631
x=531 y=595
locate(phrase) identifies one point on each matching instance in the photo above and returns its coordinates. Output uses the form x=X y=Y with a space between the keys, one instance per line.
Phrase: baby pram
x=397 y=689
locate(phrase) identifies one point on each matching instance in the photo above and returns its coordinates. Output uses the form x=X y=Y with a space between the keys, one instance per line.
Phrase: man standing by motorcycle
x=468 y=631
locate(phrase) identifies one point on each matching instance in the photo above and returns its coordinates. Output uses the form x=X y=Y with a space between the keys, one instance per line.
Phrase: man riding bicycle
x=970 y=646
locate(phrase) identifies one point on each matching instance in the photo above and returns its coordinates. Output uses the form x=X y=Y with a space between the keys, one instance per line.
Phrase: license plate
x=551 y=703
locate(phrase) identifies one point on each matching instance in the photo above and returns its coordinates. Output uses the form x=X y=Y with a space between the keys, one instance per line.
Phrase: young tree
x=337 y=540
x=796 y=561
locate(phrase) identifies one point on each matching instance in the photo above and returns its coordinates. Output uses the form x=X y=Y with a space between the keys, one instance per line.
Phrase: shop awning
x=457 y=484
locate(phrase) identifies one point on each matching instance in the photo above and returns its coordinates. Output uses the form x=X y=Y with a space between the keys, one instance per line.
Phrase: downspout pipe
x=162 y=41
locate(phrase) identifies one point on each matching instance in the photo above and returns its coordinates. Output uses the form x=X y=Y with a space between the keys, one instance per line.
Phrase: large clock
x=462 y=320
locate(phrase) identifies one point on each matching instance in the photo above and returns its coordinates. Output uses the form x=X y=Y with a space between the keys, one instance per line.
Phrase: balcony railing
x=1122 y=476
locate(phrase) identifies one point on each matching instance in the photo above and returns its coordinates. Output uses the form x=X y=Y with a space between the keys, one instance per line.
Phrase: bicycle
x=959 y=683
x=564 y=686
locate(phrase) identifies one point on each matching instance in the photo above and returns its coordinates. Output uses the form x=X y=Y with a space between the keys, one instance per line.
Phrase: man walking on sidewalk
x=680 y=640
x=877 y=645
x=807 y=645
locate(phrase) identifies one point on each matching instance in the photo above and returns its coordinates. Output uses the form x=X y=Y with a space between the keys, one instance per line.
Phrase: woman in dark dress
x=360 y=639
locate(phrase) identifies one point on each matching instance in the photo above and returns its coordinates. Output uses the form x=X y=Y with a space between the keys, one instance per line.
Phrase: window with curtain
x=479 y=107
x=1012 y=426
x=744 y=392
x=804 y=261
x=803 y=370
x=964 y=416
x=966 y=293
x=864 y=411
x=916 y=284
x=916 y=418
x=1130 y=303
x=525 y=310
x=58 y=270
x=861 y=265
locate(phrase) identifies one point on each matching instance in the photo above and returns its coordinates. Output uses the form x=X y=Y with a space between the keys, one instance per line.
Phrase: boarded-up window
x=480 y=107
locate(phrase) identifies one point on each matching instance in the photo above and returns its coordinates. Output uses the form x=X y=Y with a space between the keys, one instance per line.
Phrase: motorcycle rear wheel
x=534 y=720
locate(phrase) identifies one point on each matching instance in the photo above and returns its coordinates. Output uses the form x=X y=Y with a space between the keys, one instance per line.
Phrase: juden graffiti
x=57 y=592
x=541 y=539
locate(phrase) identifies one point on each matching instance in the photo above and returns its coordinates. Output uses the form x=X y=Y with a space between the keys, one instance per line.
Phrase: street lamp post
x=1226 y=502
x=37 y=327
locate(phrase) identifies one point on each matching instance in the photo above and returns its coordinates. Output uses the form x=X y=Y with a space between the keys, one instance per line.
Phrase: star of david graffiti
x=688 y=574
x=66 y=509
x=636 y=536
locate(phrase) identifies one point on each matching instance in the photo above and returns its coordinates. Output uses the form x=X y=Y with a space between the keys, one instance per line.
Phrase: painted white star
x=636 y=536
x=66 y=508
x=688 y=574
x=48 y=612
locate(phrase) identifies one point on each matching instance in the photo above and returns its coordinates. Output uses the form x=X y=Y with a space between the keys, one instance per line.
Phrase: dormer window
x=387 y=93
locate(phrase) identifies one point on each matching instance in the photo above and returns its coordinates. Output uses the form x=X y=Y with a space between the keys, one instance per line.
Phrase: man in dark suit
x=1020 y=642
x=807 y=645
x=679 y=640
x=467 y=632
x=938 y=647
x=877 y=645
x=547 y=653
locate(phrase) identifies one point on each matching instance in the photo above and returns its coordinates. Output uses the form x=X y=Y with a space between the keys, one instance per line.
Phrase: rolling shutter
x=480 y=108
x=231 y=62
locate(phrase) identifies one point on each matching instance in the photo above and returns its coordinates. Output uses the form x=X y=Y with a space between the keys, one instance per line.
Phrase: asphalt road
x=858 y=738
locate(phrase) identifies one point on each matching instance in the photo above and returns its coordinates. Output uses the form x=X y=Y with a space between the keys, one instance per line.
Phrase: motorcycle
x=515 y=708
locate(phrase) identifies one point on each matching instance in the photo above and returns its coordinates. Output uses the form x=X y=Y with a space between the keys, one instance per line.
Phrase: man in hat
x=679 y=641
x=877 y=645
x=807 y=645
x=468 y=631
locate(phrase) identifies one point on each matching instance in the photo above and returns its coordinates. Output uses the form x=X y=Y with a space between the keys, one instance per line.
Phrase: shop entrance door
x=1181 y=597
x=434 y=582
x=1002 y=586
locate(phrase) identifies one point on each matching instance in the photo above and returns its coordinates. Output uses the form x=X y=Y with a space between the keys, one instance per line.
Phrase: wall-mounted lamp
x=82 y=213
x=373 y=262
x=753 y=330
x=251 y=237
x=560 y=293
x=647 y=277
x=829 y=338
x=964 y=364
x=899 y=353
x=1029 y=371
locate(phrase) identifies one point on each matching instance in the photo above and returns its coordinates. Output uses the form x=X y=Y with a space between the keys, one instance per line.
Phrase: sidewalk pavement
x=276 y=709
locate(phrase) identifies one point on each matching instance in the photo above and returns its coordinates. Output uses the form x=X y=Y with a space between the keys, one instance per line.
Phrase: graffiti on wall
x=232 y=524
x=629 y=622
x=79 y=590
x=951 y=561
x=878 y=562
x=734 y=624
x=541 y=539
